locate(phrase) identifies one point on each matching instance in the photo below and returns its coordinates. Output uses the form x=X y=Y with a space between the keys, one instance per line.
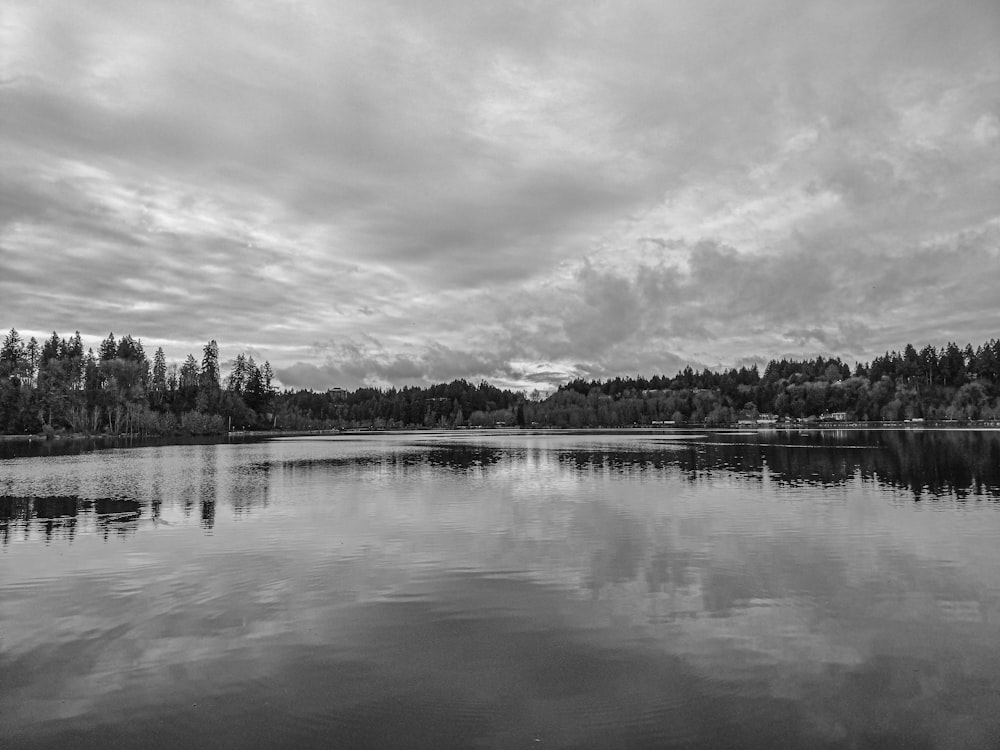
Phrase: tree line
x=56 y=386
x=949 y=383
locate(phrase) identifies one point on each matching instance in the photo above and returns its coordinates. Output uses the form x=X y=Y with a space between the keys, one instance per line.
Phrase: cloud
x=501 y=190
x=351 y=364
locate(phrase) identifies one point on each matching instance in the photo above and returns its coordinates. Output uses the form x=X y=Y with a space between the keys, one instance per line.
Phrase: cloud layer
x=397 y=192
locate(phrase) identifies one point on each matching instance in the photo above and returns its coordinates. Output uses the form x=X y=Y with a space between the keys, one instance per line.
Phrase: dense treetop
x=56 y=386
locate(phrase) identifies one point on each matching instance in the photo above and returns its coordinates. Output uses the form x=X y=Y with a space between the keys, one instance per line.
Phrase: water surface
x=676 y=589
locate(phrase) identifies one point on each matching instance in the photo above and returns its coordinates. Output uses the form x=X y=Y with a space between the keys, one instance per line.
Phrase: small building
x=833 y=416
x=752 y=420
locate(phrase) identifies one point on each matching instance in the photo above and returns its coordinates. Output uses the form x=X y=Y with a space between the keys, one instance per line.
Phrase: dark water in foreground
x=820 y=590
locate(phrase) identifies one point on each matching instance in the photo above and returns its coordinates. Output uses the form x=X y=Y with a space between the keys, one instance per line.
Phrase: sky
x=395 y=193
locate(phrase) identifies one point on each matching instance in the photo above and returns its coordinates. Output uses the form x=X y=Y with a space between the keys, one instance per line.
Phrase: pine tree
x=209 y=376
x=159 y=371
x=51 y=349
x=108 y=349
x=238 y=377
x=13 y=358
x=209 y=384
x=254 y=394
x=268 y=377
x=189 y=373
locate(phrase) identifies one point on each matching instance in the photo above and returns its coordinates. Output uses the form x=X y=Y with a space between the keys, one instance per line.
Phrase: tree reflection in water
x=928 y=464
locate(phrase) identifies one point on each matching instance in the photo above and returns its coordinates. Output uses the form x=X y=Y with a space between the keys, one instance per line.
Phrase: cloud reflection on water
x=600 y=590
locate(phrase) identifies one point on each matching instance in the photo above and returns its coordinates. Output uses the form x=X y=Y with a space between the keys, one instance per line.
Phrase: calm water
x=505 y=591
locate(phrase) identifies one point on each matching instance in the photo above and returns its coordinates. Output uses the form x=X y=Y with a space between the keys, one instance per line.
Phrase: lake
x=835 y=589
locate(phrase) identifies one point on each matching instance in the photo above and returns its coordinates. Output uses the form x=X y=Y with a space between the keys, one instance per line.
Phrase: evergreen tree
x=254 y=386
x=108 y=349
x=239 y=375
x=189 y=373
x=209 y=375
x=268 y=375
x=159 y=382
x=209 y=382
x=12 y=355
x=15 y=385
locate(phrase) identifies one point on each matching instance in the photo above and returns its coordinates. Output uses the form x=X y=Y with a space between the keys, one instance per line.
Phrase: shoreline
x=990 y=424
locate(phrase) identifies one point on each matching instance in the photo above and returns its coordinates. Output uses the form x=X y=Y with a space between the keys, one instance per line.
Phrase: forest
x=57 y=388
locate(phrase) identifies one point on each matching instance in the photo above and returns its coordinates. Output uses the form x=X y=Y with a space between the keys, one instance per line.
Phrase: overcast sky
x=379 y=192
